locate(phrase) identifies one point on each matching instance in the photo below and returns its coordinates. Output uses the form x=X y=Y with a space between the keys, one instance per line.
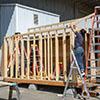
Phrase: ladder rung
x=37 y=55
x=97 y=15
x=74 y=67
x=95 y=51
x=97 y=29
x=37 y=50
x=97 y=21
x=94 y=68
x=38 y=61
x=97 y=36
x=96 y=44
x=93 y=75
x=93 y=59
x=97 y=83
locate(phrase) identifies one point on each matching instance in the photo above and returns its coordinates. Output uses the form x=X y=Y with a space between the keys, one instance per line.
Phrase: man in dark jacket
x=79 y=51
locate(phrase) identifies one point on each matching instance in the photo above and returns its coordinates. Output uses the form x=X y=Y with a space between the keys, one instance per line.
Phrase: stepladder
x=37 y=64
x=74 y=65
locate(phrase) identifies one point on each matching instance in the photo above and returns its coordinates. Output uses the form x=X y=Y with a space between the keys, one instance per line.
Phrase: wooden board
x=42 y=82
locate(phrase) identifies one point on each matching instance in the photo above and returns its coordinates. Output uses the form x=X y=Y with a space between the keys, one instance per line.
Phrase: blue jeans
x=79 y=53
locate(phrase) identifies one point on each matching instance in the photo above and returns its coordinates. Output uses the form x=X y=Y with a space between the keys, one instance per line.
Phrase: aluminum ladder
x=74 y=62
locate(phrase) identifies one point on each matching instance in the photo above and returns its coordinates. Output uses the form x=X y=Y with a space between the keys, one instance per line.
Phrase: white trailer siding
x=25 y=18
x=18 y=18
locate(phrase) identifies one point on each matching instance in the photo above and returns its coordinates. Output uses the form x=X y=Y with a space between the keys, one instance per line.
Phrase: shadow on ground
x=53 y=89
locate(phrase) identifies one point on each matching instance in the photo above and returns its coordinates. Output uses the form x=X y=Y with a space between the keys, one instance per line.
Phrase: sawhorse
x=12 y=86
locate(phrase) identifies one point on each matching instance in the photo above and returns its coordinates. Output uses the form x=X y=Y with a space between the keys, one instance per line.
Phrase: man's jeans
x=79 y=53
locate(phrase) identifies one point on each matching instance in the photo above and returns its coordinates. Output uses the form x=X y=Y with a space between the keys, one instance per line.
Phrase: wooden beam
x=17 y=57
x=28 y=57
x=51 y=56
x=48 y=57
x=57 y=56
x=11 y=57
x=41 y=82
x=45 y=54
x=34 y=57
x=46 y=30
x=72 y=38
x=41 y=61
x=64 y=57
x=22 y=58
x=5 y=57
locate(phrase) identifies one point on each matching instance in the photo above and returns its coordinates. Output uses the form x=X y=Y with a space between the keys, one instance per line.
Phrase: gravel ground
x=43 y=93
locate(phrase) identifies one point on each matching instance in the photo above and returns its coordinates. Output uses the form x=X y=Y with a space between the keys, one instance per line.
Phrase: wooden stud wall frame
x=40 y=56
x=31 y=56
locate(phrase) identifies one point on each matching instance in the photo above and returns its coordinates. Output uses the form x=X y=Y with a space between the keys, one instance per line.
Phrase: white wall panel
x=18 y=18
x=26 y=18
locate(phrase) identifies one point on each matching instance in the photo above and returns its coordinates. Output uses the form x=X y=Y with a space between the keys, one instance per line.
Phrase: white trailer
x=18 y=18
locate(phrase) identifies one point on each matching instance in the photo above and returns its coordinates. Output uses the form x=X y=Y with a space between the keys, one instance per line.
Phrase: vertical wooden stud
x=28 y=57
x=72 y=38
x=17 y=57
x=41 y=64
x=22 y=58
x=34 y=57
x=48 y=57
x=45 y=55
x=11 y=55
x=51 y=57
x=5 y=57
x=57 y=56
x=64 y=57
